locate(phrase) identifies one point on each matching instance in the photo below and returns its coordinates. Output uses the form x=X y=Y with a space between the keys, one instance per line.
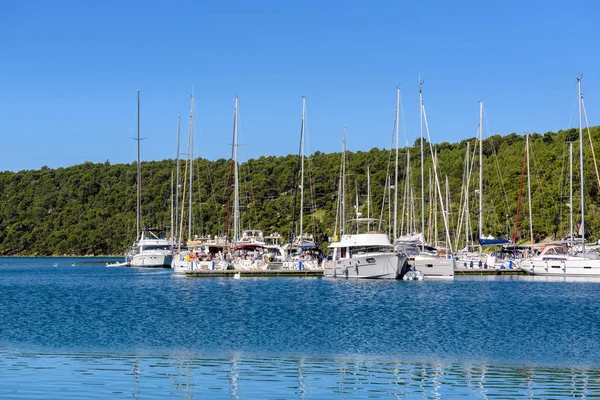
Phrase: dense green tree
x=90 y=208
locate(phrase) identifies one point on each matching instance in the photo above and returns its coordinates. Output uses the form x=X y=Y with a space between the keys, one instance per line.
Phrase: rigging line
x=563 y=177
x=574 y=105
x=309 y=161
x=462 y=206
x=590 y=138
x=295 y=180
x=229 y=183
x=520 y=195
x=387 y=185
x=494 y=152
x=437 y=183
x=546 y=211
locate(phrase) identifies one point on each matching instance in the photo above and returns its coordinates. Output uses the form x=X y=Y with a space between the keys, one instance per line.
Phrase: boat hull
x=562 y=267
x=183 y=267
x=151 y=260
x=433 y=267
x=379 y=266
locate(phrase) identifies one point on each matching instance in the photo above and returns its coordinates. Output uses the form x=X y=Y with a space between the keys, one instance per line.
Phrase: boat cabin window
x=557 y=251
x=343 y=252
x=157 y=247
x=369 y=249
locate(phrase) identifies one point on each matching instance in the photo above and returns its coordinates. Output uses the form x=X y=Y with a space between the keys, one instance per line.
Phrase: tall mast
x=236 y=190
x=480 y=173
x=343 y=213
x=579 y=98
x=172 y=210
x=177 y=176
x=529 y=189
x=396 y=178
x=448 y=199
x=422 y=165
x=368 y=192
x=191 y=150
x=139 y=172
x=302 y=166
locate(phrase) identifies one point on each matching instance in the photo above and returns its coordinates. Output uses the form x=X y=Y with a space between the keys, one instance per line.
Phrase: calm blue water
x=71 y=328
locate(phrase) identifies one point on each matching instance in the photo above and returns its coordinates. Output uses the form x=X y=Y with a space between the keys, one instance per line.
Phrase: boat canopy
x=492 y=242
x=363 y=239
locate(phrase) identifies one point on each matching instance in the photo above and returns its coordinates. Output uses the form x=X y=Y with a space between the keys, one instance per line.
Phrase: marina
x=300 y=200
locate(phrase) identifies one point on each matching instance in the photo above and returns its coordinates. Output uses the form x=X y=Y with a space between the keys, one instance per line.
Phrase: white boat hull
x=247 y=265
x=301 y=265
x=562 y=267
x=183 y=267
x=433 y=267
x=151 y=260
x=376 y=266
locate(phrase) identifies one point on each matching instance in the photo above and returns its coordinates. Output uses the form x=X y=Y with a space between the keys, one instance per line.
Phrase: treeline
x=89 y=209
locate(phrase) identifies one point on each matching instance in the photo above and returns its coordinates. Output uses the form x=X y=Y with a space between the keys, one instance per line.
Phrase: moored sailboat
x=151 y=248
x=556 y=259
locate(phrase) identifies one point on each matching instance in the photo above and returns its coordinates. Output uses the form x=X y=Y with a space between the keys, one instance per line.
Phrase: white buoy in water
x=237 y=276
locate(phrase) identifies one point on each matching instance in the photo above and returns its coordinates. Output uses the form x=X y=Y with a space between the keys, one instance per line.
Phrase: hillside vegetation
x=89 y=209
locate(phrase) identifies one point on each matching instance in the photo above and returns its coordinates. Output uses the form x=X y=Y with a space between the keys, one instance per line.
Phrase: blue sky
x=70 y=71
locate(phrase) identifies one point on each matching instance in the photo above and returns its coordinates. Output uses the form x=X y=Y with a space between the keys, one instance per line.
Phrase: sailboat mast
x=177 y=177
x=579 y=99
x=396 y=172
x=172 y=210
x=422 y=164
x=236 y=191
x=343 y=213
x=529 y=189
x=480 y=173
x=191 y=136
x=369 y=193
x=302 y=167
x=139 y=172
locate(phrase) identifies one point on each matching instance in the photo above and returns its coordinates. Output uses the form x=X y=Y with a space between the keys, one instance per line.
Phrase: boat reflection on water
x=243 y=376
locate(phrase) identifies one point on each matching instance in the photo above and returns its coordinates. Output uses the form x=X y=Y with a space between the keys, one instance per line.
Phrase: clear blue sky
x=69 y=72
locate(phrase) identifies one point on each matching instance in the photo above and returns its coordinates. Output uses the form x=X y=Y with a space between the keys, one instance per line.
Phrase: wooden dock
x=490 y=271
x=318 y=273
x=260 y=273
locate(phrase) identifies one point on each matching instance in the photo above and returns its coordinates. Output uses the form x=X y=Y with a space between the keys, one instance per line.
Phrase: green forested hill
x=89 y=209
